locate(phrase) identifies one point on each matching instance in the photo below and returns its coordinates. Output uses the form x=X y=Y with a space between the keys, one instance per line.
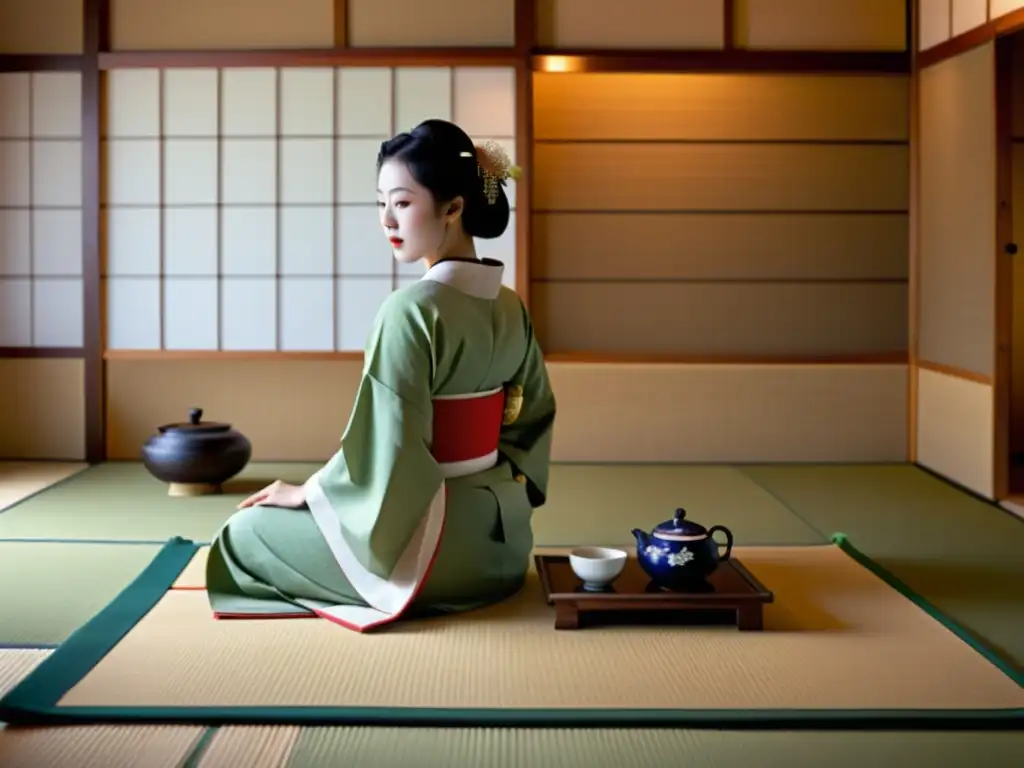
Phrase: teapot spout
x=641 y=537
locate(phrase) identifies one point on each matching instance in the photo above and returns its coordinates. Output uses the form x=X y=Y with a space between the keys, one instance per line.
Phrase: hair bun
x=444 y=159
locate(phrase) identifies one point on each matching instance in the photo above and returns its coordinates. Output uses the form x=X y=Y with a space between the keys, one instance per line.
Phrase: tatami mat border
x=35 y=699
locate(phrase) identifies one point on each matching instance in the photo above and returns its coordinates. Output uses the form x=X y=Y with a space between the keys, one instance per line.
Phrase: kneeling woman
x=426 y=507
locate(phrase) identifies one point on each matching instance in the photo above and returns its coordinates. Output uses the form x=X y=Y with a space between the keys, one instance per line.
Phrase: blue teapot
x=679 y=553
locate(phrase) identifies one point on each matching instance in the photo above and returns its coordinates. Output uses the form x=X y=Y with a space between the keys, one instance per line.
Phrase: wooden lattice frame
x=525 y=56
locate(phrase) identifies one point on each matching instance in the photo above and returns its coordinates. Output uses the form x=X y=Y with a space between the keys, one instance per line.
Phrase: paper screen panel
x=957 y=200
x=781 y=230
x=955 y=429
x=719 y=246
x=999 y=8
x=220 y=24
x=240 y=203
x=841 y=25
x=934 y=19
x=442 y=23
x=41 y=26
x=715 y=177
x=733 y=319
x=132 y=222
x=720 y=107
x=41 y=302
x=681 y=24
x=42 y=406
x=481 y=100
x=967 y=15
x=717 y=413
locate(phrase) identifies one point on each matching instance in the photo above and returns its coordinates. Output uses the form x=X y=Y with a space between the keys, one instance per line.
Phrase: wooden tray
x=732 y=596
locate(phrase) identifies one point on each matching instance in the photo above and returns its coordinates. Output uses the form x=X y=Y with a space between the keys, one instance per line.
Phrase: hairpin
x=495 y=167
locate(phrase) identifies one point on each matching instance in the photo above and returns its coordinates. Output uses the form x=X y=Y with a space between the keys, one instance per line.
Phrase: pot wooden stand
x=193 y=489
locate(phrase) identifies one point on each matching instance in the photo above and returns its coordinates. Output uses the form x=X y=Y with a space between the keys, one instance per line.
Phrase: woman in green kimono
x=426 y=506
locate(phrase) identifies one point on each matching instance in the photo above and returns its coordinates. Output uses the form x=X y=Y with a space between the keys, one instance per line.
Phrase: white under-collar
x=481 y=279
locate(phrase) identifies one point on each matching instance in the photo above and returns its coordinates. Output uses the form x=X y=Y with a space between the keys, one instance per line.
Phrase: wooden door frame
x=1002 y=387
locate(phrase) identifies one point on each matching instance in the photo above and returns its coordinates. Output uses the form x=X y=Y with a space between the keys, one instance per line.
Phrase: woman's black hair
x=433 y=153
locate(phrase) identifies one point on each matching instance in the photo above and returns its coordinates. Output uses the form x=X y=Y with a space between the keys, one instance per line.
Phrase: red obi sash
x=467 y=429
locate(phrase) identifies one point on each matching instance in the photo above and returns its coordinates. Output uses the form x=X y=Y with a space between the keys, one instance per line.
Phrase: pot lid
x=195 y=423
x=679 y=526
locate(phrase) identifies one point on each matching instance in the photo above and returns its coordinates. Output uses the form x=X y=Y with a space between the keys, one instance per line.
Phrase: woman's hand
x=277 y=494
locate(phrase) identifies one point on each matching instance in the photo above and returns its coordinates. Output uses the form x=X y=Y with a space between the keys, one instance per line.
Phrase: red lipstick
x=396 y=241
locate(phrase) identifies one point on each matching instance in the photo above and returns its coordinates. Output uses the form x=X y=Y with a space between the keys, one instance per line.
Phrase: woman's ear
x=454 y=210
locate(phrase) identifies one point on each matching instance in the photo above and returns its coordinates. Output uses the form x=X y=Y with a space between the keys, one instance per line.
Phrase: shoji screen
x=40 y=210
x=240 y=204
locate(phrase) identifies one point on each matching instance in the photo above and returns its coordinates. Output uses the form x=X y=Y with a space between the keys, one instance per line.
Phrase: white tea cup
x=598 y=567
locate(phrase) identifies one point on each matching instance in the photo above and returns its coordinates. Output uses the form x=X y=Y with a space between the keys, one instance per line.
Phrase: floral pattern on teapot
x=682 y=557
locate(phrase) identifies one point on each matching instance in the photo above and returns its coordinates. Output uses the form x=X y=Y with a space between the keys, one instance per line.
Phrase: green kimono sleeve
x=382 y=481
x=527 y=441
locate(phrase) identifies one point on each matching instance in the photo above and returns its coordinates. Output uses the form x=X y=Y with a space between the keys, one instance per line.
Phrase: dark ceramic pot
x=196 y=453
x=678 y=554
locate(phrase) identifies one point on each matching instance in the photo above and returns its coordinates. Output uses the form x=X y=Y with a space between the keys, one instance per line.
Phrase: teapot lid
x=195 y=424
x=679 y=526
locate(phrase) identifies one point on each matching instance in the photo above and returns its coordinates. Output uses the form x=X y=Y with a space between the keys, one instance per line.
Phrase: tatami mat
x=98 y=746
x=964 y=555
x=256 y=747
x=89 y=746
x=21 y=479
x=646 y=748
x=367 y=747
x=957 y=551
x=15 y=664
x=588 y=504
x=194 y=574
x=600 y=504
x=897 y=510
x=837 y=637
x=48 y=589
x=122 y=501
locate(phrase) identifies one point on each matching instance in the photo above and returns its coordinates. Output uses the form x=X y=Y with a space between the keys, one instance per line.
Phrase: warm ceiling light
x=558 y=64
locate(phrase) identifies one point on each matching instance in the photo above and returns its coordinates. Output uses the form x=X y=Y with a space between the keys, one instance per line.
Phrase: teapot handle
x=728 y=540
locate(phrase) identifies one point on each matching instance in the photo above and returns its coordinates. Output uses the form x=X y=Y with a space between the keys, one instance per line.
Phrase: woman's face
x=409 y=215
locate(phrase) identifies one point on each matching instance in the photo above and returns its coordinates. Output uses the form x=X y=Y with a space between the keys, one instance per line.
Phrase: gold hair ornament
x=495 y=167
